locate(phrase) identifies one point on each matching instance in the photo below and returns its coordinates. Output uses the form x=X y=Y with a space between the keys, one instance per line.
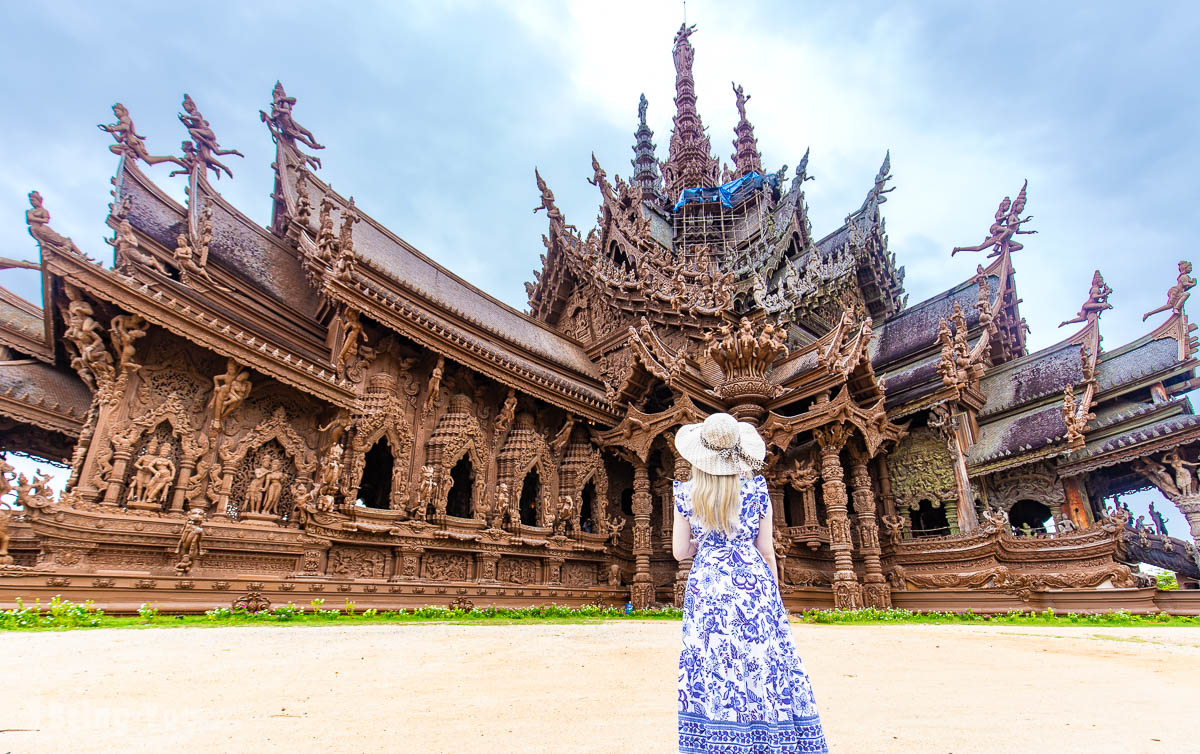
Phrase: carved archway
x=527 y=449
x=457 y=434
x=400 y=443
x=277 y=428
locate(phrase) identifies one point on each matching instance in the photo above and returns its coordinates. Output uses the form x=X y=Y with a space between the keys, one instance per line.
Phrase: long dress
x=742 y=685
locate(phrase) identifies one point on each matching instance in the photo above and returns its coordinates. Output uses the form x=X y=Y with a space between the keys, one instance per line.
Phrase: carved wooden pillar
x=116 y=478
x=1076 y=506
x=642 y=590
x=875 y=589
x=408 y=563
x=187 y=464
x=1189 y=506
x=885 y=485
x=222 y=503
x=846 y=590
x=683 y=472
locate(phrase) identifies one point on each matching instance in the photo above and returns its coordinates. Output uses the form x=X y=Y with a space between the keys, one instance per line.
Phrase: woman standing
x=742 y=686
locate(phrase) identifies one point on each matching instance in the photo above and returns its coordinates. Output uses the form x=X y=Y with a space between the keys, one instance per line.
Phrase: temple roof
x=23 y=326
x=1031 y=378
x=410 y=269
x=38 y=394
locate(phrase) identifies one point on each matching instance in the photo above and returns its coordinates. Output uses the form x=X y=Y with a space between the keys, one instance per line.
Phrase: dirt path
x=583 y=688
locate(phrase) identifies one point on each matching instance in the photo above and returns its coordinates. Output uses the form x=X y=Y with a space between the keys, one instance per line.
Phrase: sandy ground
x=583 y=688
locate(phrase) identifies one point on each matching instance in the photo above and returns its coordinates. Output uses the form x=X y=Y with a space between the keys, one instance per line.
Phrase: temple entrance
x=587 y=508
x=375 y=489
x=627 y=501
x=1029 y=513
x=458 y=500
x=531 y=489
x=928 y=521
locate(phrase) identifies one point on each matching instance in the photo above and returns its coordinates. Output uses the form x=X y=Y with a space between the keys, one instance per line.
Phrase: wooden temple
x=315 y=408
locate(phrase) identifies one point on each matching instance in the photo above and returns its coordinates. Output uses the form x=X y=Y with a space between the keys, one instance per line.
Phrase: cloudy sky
x=434 y=118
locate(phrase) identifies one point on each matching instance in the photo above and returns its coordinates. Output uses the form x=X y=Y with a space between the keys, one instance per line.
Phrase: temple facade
x=271 y=413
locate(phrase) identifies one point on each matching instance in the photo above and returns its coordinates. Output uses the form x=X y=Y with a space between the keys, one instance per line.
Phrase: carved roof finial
x=285 y=129
x=1005 y=227
x=690 y=163
x=1177 y=295
x=645 y=164
x=1096 y=303
x=746 y=158
x=203 y=149
x=130 y=143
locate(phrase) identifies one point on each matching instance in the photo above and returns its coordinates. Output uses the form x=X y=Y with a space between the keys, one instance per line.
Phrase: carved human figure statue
x=256 y=492
x=742 y=97
x=284 y=124
x=562 y=517
x=1096 y=303
x=1177 y=295
x=352 y=336
x=1160 y=524
x=129 y=142
x=190 y=539
x=230 y=388
x=331 y=471
x=203 y=139
x=1185 y=480
x=38 y=219
x=614 y=574
x=426 y=493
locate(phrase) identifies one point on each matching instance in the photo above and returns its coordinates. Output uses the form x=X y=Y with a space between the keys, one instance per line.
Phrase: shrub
x=1167 y=581
x=146 y=613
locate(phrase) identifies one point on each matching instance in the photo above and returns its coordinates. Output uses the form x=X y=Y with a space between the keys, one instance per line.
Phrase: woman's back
x=742 y=686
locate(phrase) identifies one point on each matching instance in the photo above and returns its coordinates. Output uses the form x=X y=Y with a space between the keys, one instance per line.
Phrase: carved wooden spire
x=645 y=164
x=690 y=163
x=746 y=159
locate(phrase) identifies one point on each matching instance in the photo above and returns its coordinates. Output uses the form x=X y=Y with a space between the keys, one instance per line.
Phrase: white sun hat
x=721 y=445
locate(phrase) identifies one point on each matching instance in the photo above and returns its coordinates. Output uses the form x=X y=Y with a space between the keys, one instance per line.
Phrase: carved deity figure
x=129 y=142
x=615 y=526
x=84 y=333
x=230 y=388
x=143 y=471
x=435 y=384
x=614 y=574
x=1185 y=480
x=1177 y=295
x=162 y=470
x=894 y=529
x=426 y=493
x=1064 y=525
x=1158 y=475
x=262 y=496
x=129 y=251
x=190 y=539
x=507 y=413
x=8 y=475
x=742 y=98
x=189 y=267
x=37 y=217
x=352 y=336
x=204 y=140
x=331 y=470
x=127 y=328
x=1005 y=227
x=564 y=515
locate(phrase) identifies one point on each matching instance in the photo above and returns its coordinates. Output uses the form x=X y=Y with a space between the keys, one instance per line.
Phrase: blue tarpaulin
x=728 y=194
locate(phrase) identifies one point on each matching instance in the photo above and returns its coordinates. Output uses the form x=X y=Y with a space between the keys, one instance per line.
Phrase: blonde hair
x=715 y=500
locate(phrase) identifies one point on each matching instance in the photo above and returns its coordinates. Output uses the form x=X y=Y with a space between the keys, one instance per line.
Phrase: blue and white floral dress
x=742 y=686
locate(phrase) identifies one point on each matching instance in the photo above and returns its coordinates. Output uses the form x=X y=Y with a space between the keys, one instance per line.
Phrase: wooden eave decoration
x=179 y=312
x=462 y=342
x=872 y=422
x=637 y=430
